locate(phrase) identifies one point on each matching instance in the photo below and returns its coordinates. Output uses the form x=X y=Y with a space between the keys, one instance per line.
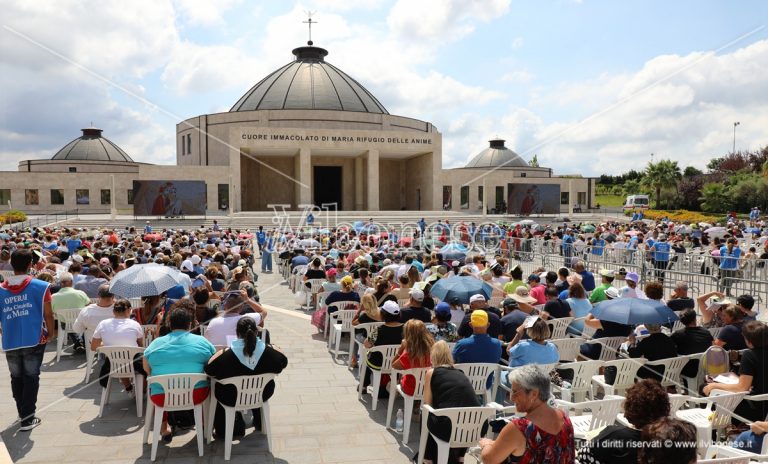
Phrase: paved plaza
x=316 y=416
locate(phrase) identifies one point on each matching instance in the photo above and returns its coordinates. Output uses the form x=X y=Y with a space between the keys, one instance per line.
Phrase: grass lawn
x=610 y=200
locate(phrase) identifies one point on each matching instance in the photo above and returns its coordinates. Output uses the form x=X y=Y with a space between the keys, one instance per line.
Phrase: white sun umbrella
x=308 y=243
x=143 y=280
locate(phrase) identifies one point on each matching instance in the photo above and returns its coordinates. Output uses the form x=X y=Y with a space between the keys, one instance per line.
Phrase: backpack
x=714 y=362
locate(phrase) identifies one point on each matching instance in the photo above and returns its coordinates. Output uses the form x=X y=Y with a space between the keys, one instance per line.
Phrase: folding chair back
x=478 y=374
x=567 y=347
x=559 y=326
x=177 y=389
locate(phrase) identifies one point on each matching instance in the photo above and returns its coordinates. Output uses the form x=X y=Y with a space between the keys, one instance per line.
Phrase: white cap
x=476 y=297
x=195 y=259
x=186 y=265
x=416 y=294
x=391 y=307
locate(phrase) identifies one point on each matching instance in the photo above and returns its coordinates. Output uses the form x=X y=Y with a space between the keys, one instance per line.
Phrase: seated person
x=176 y=353
x=391 y=333
x=646 y=402
x=653 y=347
x=119 y=330
x=248 y=355
x=752 y=440
x=413 y=352
x=730 y=337
x=677 y=439
x=345 y=294
x=415 y=309
x=441 y=327
x=224 y=325
x=690 y=340
x=604 y=329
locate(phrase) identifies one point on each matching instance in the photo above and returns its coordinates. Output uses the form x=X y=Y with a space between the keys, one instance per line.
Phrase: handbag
x=318 y=318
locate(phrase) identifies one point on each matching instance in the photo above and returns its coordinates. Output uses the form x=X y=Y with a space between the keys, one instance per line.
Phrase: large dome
x=497 y=156
x=92 y=147
x=309 y=83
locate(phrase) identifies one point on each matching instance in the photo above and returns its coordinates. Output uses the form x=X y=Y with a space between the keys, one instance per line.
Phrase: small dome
x=92 y=147
x=497 y=156
x=309 y=83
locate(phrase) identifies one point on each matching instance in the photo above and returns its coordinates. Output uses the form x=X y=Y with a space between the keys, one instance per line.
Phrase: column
x=359 y=180
x=372 y=179
x=235 y=196
x=303 y=177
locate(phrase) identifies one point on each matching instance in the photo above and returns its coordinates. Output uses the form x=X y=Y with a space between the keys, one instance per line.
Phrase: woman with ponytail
x=248 y=355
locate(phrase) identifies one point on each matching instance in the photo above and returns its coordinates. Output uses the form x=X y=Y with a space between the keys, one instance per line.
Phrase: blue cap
x=443 y=307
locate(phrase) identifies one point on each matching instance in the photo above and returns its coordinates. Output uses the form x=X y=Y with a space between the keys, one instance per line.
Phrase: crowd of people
x=213 y=322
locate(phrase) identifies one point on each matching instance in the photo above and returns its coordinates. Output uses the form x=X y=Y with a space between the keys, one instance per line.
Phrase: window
x=565 y=198
x=57 y=196
x=130 y=196
x=582 y=198
x=499 y=197
x=72 y=169
x=106 y=197
x=480 y=196
x=447 y=197
x=523 y=174
x=464 y=193
x=31 y=197
x=223 y=196
x=5 y=196
x=82 y=197
x=189 y=144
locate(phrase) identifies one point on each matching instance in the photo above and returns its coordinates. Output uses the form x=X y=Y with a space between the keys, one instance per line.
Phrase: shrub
x=13 y=216
x=681 y=216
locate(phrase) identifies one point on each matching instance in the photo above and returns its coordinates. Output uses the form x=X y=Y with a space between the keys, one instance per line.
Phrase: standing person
x=729 y=265
x=660 y=250
x=266 y=253
x=261 y=239
x=25 y=322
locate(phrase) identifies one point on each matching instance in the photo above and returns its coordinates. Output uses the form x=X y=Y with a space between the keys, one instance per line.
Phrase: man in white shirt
x=89 y=318
x=225 y=325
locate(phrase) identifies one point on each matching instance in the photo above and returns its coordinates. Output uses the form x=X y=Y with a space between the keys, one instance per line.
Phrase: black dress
x=450 y=389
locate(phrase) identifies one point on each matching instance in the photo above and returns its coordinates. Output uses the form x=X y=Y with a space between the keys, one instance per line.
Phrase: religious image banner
x=526 y=199
x=169 y=198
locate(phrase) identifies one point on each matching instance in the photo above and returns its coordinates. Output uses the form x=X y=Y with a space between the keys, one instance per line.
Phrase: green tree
x=691 y=171
x=662 y=174
x=534 y=163
x=715 y=198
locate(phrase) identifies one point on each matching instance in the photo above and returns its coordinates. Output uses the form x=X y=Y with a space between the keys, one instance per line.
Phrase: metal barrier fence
x=700 y=270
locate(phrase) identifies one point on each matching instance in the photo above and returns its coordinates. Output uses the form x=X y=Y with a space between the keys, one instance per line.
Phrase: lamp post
x=734 y=136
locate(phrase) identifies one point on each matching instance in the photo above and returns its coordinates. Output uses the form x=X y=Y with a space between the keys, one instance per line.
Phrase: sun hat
x=348 y=280
x=633 y=276
x=522 y=295
x=611 y=293
x=443 y=308
x=607 y=273
x=416 y=294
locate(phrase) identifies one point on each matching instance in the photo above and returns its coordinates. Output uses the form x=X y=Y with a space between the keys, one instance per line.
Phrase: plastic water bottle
x=565 y=391
x=399 y=421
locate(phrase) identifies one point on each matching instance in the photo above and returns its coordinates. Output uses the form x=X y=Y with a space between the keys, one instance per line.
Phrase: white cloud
x=442 y=20
x=522 y=76
x=517 y=42
x=204 y=12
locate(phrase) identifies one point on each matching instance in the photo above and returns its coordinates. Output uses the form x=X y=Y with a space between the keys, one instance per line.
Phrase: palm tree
x=663 y=174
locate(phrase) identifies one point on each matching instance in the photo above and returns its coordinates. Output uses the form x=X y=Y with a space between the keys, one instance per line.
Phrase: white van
x=634 y=202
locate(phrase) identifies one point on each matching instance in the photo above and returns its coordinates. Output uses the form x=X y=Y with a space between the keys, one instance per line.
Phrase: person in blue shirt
x=261 y=239
x=422 y=226
x=587 y=278
x=729 y=265
x=479 y=347
x=661 y=250
x=148 y=228
x=73 y=243
x=299 y=260
x=310 y=219
x=567 y=247
x=266 y=254
x=598 y=245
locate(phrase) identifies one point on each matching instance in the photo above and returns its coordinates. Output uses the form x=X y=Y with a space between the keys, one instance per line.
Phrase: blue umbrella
x=633 y=311
x=752 y=230
x=454 y=251
x=460 y=287
x=145 y=280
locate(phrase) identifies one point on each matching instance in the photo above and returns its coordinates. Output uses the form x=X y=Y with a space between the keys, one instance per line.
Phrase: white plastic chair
x=581 y=384
x=672 y=370
x=315 y=288
x=338 y=305
x=586 y=332
x=609 y=346
x=725 y=403
x=403 y=302
x=250 y=392
x=719 y=454
x=626 y=370
x=178 y=390
x=135 y=302
x=466 y=429
x=419 y=374
x=366 y=328
x=68 y=317
x=567 y=347
x=150 y=333
x=341 y=323
x=388 y=353
x=121 y=367
x=478 y=374
x=558 y=326
x=90 y=357
x=604 y=413
x=505 y=370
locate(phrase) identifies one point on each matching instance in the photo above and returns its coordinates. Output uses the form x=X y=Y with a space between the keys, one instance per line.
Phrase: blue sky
x=585 y=85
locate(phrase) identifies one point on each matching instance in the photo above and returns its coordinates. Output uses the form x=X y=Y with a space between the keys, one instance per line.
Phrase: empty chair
x=671 y=369
x=419 y=374
x=341 y=323
x=388 y=353
x=603 y=413
x=558 y=326
x=121 y=367
x=315 y=287
x=705 y=419
x=250 y=391
x=626 y=370
x=567 y=347
x=466 y=428
x=581 y=384
x=64 y=317
x=177 y=390
x=335 y=306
